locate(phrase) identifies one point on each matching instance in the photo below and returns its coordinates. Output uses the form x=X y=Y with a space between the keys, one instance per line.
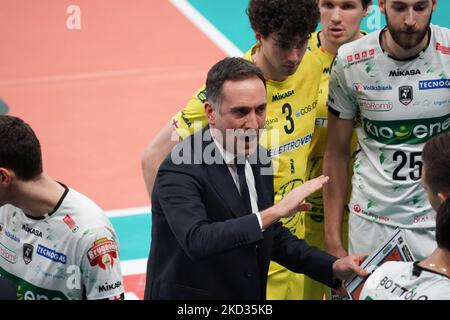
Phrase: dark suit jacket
x=204 y=244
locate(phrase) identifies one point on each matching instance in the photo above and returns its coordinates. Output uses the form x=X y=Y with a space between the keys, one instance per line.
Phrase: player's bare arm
x=336 y=162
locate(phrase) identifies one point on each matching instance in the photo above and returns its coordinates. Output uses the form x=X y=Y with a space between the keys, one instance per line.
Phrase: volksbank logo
x=407 y=131
x=434 y=84
x=404 y=73
x=359 y=87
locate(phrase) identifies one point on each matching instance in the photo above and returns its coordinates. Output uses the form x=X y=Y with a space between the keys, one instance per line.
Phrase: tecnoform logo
x=434 y=84
x=51 y=254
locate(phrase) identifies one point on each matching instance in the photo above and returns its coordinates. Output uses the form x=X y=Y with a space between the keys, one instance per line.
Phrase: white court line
x=131 y=296
x=131 y=267
x=128 y=212
x=162 y=72
x=207 y=28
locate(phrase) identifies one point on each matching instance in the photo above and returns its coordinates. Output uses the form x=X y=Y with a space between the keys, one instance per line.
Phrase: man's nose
x=410 y=19
x=252 y=121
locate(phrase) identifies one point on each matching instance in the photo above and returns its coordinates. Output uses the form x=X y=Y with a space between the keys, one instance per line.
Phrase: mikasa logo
x=404 y=73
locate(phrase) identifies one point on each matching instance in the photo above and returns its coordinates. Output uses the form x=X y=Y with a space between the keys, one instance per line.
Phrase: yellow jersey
x=319 y=140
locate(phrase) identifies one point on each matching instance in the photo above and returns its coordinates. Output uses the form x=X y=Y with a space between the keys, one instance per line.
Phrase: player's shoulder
x=440 y=40
x=314 y=42
x=440 y=33
x=310 y=60
x=6 y=208
x=78 y=211
x=309 y=70
x=393 y=268
x=361 y=50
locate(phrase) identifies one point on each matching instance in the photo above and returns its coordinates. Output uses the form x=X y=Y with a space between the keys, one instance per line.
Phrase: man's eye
x=240 y=112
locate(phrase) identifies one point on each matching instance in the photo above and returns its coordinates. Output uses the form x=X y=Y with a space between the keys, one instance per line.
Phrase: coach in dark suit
x=215 y=227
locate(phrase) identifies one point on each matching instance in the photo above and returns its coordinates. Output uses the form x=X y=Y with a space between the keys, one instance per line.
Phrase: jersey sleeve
x=100 y=266
x=192 y=118
x=341 y=101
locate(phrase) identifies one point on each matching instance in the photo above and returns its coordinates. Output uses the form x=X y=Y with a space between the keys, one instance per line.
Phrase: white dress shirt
x=229 y=161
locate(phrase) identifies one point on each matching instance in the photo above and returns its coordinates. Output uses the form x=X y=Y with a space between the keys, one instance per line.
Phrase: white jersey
x=405 y=281
x=71 y=253
x=398 y=106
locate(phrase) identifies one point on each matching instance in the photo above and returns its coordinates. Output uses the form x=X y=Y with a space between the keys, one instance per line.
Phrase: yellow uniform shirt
x=319 y=141
x=313 y=220
x=291 y=111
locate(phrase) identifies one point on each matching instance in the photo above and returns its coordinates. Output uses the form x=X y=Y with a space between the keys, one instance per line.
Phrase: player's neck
x=38 y=197
x=439 y=261
x=270 y=72
x=398 y=52
x=332 y=47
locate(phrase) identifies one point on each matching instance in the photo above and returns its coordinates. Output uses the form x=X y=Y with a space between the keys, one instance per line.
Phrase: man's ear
x=258 y=37
x=6 y=177
x=368 y=9
x=443 y=196
x=382 y=6
x=210 y=113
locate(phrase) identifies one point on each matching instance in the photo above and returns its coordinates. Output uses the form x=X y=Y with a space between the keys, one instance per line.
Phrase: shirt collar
x=227 y=156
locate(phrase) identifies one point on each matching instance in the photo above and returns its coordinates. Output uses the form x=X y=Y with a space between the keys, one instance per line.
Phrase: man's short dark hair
x=443 y=225
x=436 y=158
x=288 y=19
x=229 y=69
x=20 y=149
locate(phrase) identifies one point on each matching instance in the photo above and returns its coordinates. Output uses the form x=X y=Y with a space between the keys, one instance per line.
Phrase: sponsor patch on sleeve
x=102 y=253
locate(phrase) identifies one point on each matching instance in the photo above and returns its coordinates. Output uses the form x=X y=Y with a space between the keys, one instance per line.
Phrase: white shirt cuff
x=258 y=215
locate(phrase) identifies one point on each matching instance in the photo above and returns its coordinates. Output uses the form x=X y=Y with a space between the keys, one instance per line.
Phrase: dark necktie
x=245 y=195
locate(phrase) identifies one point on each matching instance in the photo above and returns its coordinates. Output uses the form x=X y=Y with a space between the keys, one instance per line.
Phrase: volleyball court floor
x=98 y=94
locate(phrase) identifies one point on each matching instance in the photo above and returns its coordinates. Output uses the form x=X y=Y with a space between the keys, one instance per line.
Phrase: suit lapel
x=221 y=180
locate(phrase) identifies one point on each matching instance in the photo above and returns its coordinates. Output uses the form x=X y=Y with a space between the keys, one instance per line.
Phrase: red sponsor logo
x=175 y=123
x=442 y=49
x=69 y=221
x=361 y=55
x=102 y=253
x=357 y=208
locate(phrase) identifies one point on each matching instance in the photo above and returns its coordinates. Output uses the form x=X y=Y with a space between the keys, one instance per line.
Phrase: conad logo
x=407 y=131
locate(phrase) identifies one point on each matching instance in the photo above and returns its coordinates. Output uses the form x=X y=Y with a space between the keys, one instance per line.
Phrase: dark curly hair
x=289 y=19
